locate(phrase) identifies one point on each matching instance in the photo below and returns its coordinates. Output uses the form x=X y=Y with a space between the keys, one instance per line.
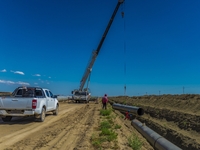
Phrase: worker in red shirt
x=127 y=115
x=104 y=101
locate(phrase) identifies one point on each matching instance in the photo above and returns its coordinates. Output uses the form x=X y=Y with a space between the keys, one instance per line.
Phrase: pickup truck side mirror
x=55 y=96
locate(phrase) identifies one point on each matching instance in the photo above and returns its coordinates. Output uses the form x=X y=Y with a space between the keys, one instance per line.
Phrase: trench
x=179 y=128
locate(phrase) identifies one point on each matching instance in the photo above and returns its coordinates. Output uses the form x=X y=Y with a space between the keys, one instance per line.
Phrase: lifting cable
x=122 y=12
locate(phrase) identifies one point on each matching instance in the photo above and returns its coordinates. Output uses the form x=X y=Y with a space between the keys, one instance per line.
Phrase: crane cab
x=81 y=96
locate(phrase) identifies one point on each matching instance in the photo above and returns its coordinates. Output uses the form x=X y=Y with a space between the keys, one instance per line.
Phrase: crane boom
x=96 y=52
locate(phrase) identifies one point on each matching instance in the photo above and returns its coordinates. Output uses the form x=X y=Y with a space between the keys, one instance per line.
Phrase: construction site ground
x=73 y=129
x=175 y=117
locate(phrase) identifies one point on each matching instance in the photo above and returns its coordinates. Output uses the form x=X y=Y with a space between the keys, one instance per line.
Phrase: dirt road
x=72 y=129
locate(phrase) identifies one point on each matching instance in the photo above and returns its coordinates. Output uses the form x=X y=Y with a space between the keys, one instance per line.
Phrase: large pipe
x=131 y=109
x=156 y=140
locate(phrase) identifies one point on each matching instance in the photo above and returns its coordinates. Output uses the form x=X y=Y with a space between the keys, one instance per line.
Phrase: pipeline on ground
x=131 y=109
x=156 y=140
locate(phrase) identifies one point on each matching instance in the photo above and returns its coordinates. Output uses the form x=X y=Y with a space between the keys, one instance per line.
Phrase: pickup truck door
x=49 y=100
x=52 y=100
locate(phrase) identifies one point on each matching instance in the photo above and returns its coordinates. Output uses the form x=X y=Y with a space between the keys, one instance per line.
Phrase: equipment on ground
x=84 y=94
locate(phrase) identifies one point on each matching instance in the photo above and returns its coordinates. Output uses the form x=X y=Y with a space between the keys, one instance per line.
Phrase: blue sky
x=48 y=43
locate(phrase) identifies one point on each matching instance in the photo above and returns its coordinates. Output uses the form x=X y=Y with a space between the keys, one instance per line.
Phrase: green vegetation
x=107 y=132
x=134 y=142
x=122 y=116
x=157 y=111
x=117 y=126
x=124 y=102
x=97 y=141
x=105 y=124
x=107 y=129
x=185 y=123
x=106 y=112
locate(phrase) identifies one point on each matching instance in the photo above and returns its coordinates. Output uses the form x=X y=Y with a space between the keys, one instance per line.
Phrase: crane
x=84 y=94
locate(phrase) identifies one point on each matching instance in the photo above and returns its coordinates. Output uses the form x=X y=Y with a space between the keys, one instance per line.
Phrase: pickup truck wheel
x=42 y=115
x=56 y=111
x=7 y=118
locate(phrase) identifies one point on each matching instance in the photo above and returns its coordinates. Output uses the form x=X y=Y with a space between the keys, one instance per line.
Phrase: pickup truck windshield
x=29 y=92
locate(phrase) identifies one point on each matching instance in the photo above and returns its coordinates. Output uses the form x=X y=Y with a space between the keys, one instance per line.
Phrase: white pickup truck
x=28 y=101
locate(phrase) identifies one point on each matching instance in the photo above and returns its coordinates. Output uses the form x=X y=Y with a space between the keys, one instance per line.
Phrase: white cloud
x=18 y=72
x=11 y=82
x=4 y=70
x=7 y=82
x=49 y=77
x=22 y=83
x=37 y=75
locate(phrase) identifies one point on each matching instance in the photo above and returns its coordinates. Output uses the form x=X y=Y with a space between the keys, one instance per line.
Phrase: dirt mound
x=175 y=117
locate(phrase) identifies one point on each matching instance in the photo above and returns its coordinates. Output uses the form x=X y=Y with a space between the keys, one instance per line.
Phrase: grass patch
x=106 y=131
x=117 y=126
x=96 y=141
x=124 y=102
x=111 y=121
x=105 y=112
x=105 y=124
x=110 y=135
x=134 y=142
x=108 y=117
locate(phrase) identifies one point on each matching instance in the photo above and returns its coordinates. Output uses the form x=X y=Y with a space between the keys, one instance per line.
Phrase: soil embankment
x=175 y=117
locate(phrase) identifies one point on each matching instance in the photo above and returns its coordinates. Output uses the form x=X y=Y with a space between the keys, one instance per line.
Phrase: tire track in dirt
x=25 y=137
x=78 y=132
x=68 y=132
x=72 y=130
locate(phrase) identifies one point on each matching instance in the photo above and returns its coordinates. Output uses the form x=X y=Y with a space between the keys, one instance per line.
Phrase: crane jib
x=96 y=52
x=108 y=26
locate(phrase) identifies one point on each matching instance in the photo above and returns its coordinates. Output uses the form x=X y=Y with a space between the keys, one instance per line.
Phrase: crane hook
x=122 y=14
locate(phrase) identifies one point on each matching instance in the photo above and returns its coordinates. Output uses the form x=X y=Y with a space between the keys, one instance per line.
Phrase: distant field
x=5 y=93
